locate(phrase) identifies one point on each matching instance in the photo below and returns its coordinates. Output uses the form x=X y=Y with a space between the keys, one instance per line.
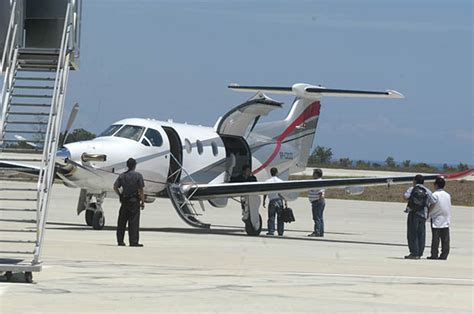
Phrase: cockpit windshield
x=131 y=132
x=111 y=130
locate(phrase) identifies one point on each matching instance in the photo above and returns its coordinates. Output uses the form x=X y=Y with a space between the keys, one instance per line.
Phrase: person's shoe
x=280 y=235
x=269 y=234
x=312 y=235
x=431 y=257
x=121 y=244
x=412 y=257
x=443 y=258
x=136 y=244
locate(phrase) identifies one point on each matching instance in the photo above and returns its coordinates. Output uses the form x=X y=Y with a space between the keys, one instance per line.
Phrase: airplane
x=197 y=164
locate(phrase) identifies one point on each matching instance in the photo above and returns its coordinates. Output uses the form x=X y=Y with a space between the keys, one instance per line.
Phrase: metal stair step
x=16 y=104
x=17 y=209
x=29 y=113
x=17 y=169
x=21 y=150
x=30 y=78
x=29 y=69
x=23 y=131
x=17 y=190
x=27 y=221
x=20 y=159
x=32 y=87
x=16 y=252
x=18 y=199
x=27 y=122
x=31 y=96
x=18 y=230
x=18 y=241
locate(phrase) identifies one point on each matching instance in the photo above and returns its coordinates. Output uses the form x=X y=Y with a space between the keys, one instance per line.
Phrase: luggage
x=287 y=215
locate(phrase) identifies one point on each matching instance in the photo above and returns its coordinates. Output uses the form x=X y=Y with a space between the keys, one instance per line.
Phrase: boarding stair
x=32 y=103
x=180 y=200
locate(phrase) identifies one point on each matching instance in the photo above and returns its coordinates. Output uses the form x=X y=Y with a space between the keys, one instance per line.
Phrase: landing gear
x=94 y=214
x=251 y=215
x=98 y=220
x=89 y=215
x=28 y=277
x=250 y=229
x=8 y=275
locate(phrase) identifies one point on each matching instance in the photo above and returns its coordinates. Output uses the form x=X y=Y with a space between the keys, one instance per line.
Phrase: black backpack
x=418 y=198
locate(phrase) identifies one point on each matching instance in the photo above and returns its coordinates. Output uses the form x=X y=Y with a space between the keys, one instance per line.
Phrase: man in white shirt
x=275 y=206
x=440 y=214
x=316 y=198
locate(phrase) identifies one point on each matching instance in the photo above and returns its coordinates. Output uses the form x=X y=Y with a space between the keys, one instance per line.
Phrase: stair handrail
x=46 y=175
x=9 y=43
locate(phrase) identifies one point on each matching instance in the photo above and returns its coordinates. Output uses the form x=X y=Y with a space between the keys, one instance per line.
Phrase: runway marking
x=390 y=277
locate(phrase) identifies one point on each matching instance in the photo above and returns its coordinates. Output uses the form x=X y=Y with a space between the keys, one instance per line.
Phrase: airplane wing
x=206 y=191
x=241 y=119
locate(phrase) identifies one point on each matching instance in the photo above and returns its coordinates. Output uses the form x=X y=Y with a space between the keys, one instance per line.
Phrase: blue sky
x=174 y=59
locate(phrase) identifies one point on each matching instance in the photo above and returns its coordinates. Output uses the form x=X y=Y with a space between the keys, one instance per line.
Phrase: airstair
x=41 y=47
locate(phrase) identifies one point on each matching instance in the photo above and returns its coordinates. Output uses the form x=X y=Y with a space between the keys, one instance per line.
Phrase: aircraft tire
x=251 y=230
x=89 y=215
x=8 y=275
x=28 y=277
x=98 y=220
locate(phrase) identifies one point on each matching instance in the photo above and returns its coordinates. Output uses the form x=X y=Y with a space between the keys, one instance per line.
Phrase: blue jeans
x=318 y=209
x=416 y=233
x=275 y=207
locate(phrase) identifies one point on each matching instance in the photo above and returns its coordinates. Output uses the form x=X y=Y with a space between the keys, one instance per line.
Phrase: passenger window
x=131 y=132
x=215 y=149
x=145 y=142
x=111 y=130
x=199 y=146
x=154 y=137
x=188 y=146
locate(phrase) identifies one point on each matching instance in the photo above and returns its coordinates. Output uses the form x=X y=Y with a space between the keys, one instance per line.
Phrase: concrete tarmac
x=357 y=267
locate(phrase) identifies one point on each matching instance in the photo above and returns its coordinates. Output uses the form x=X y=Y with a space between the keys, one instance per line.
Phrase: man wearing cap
x=129 y=187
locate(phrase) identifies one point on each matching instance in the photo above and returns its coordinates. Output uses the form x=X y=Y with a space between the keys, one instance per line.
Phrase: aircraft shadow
x=226 y=231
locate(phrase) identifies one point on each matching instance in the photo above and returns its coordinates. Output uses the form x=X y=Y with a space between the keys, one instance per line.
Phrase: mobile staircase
x=32 y=101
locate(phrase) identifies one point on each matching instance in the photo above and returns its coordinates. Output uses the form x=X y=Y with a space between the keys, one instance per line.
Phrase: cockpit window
x=111 y=130
x=131 y=132
x=154 y=137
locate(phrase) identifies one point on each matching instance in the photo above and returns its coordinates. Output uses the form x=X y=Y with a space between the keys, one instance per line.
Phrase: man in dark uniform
x=129 y=187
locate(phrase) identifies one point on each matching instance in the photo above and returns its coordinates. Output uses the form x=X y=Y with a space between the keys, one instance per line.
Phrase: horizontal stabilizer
x=311 y=91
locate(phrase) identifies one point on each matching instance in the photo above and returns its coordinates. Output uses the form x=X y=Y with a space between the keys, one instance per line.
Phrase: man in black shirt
x=246 y=175
x=129 y=187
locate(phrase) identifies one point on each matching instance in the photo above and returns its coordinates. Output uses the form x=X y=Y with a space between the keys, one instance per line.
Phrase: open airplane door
x=242 y=119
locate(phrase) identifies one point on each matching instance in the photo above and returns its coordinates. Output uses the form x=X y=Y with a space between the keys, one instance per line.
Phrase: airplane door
x=176 y=150
x=157 y=147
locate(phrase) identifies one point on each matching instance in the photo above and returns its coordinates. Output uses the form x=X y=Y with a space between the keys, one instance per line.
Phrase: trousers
x=317 y=208
x=437 y=235
x=129 y=213
x=416 y=233
x=275 y=207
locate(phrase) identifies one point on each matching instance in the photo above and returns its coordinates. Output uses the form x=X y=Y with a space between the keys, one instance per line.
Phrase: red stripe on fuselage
x=312 y=111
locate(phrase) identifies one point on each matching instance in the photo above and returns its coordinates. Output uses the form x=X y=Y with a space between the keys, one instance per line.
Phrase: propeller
x=70 y=122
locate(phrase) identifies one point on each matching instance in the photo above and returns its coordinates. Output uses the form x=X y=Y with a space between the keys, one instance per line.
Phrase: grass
x=462 y=192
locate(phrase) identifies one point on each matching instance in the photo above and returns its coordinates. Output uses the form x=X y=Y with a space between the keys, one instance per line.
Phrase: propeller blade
x=70 y=122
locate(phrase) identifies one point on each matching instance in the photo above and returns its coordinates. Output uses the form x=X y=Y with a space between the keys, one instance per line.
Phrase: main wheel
x=28 y=277
x=89 y=215
x=251 y=231
x=8 y=275
x=98 y=220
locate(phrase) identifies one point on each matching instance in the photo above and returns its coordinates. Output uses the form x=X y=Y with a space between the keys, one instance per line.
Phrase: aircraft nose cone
x=63 y=155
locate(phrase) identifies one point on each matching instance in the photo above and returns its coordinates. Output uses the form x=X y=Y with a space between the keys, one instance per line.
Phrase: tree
x=390 y=162
x=78 y=135
x=345 y=162
x=321 y=155
x=406 y=163
x=462 y=166
x=360 y=164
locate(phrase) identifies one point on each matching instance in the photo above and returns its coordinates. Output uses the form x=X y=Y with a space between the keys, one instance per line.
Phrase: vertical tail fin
x=299 y=127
